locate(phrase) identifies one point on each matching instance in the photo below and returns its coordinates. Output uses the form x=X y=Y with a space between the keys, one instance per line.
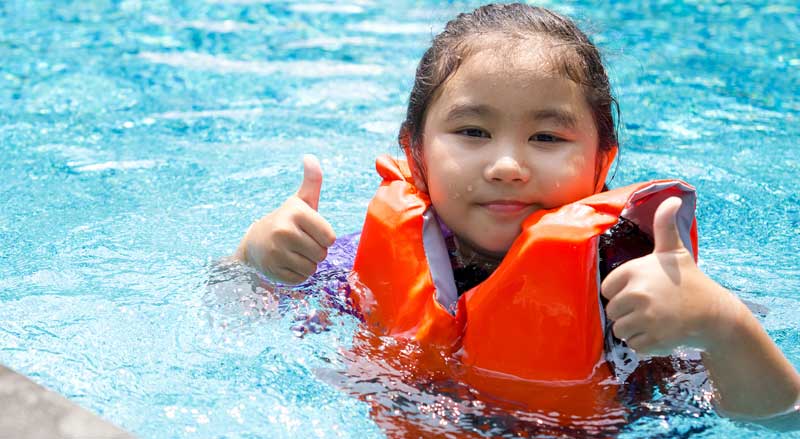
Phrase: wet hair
x=574 y=56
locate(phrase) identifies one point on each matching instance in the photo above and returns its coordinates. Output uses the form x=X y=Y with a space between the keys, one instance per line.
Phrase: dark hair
x=579 y=61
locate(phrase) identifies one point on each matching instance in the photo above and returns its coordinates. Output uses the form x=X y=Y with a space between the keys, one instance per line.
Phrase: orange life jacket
x=537 y=318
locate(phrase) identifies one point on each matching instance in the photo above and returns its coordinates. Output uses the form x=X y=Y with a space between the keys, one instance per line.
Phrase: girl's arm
x=752 y=379
x=662 y=301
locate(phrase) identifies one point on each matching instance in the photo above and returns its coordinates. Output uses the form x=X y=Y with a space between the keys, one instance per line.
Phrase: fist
x=661 y=301
x=288 y=243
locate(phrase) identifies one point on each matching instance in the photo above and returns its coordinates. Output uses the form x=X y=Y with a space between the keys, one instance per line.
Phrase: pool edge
x=32 y=411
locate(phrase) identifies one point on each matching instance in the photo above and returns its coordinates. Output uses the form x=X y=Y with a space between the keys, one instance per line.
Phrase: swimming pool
x=140 y=139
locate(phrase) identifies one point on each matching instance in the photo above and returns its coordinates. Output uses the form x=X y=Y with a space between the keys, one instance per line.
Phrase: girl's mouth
x=505 y=207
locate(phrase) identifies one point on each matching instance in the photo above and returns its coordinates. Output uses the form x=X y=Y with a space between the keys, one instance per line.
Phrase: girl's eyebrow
x=561 y=117
x=459 y=111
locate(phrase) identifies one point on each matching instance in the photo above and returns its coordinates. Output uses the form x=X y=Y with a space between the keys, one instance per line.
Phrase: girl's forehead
x=526 y=62
x=512 y=84
x=500 y=51
x=508 y=67
x=490 y=71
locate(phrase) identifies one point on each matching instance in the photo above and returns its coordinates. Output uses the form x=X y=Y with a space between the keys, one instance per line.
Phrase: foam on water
x=140 y=139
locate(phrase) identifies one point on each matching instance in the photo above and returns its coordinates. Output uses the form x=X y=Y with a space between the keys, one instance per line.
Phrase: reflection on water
x=408 y=398
x=140 y=139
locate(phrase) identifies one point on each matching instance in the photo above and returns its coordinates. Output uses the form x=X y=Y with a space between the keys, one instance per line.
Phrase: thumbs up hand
x=288 y=243
x=661 y=301
x=312 y=182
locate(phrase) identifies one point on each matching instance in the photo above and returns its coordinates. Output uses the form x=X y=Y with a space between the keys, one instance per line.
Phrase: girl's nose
x=507 y=169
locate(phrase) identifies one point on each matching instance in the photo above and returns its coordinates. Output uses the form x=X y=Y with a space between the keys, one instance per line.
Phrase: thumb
x=665 y=228
x=312 y=181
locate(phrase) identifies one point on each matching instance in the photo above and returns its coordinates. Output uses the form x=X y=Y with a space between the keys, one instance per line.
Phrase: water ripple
x=303 y=69
x=117 y=165
x=320 y=8
x=223 y=27
x=385 y=28
x=332 y=43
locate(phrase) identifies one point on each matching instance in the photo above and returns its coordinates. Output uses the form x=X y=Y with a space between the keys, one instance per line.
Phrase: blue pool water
x=139 y=139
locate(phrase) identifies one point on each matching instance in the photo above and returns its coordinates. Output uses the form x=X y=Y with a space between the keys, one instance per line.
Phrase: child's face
x=504 y=138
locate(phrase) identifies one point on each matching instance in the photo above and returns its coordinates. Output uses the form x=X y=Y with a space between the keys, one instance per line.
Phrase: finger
x=287 y=276
x=315 y=226
x=307 y=247
x=312 y=181
x=641 y=343
x=298 y=264
x=666 y=235
x=622 y=305
x=627 y=328
x=615 y=281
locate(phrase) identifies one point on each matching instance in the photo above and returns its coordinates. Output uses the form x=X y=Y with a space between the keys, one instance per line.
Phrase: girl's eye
x=545 y=138
x=474 y=132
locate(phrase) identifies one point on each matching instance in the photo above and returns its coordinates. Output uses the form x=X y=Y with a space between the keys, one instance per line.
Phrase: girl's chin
x=497 y=244
x=493 y=250
x=494 y=253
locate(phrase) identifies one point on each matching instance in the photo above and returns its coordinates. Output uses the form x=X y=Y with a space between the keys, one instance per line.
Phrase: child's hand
x=663 y=300
x=287 y=244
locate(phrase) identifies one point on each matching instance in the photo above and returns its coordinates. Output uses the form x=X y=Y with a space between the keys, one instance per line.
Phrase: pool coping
x=33 y=412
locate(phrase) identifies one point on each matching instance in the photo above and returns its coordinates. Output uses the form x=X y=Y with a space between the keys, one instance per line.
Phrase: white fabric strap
x=642 y=205
x=439 y=262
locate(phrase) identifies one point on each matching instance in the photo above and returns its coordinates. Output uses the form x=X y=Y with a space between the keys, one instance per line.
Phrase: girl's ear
x=416 y=172
x=604 y=161
x=413 y=163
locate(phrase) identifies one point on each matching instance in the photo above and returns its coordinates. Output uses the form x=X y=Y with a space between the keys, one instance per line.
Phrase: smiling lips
x=505 y=207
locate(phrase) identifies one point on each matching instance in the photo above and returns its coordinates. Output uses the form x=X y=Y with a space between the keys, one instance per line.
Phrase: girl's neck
x=464 y=254
x=467 y=255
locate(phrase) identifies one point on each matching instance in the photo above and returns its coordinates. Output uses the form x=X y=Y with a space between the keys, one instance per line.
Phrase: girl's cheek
x=565 y=181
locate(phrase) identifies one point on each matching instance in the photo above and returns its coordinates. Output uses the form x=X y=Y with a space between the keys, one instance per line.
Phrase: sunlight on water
x=140 y=139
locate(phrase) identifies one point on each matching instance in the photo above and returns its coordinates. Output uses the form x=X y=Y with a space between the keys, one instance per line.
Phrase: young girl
x=510 y=115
